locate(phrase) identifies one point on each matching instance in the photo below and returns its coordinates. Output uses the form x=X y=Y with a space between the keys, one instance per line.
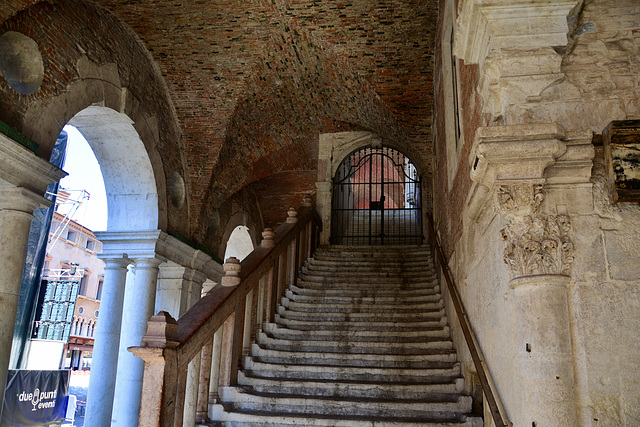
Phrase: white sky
x=84 y=174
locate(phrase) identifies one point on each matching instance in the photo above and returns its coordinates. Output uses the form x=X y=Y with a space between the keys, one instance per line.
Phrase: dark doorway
x=376 y=199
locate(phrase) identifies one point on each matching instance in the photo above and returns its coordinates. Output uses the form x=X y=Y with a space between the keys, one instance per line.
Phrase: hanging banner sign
x=35 y=398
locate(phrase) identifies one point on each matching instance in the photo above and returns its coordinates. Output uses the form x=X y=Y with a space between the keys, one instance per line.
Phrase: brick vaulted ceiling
x=253 y=82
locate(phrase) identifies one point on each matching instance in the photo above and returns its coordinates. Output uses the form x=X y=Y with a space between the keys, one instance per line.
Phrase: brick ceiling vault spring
x=253 y=81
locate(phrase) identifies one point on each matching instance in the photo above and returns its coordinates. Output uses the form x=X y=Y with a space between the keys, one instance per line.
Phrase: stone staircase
x=361 y=340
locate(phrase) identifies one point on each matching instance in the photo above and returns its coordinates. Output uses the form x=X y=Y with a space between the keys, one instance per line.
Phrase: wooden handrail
x=169 y=345
x=495 y=406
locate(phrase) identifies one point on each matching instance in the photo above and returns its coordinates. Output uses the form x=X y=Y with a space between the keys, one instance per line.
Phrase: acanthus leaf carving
x=538 y=244
x=514 y=199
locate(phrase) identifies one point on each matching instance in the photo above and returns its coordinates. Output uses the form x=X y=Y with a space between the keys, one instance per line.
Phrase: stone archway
x=132 y=196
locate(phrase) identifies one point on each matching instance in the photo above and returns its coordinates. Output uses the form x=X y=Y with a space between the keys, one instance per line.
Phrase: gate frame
x=333 y=148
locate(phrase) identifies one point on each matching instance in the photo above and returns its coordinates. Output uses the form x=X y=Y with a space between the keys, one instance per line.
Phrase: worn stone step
x=395 y=298
x=382 y=278
x=381 y=284
x=444 y=404
x=349 y=389
x=310 y=307
x=442 y=359
x=362 y=317
x=321 y=290
x=433 y=322
x=434 y=346
x=271 y=419
x=351 y=373
x=329 y=267
x=278 y=332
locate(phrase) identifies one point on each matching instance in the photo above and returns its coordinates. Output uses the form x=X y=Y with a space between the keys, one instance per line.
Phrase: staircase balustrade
x=498 y=413
x=246 y=297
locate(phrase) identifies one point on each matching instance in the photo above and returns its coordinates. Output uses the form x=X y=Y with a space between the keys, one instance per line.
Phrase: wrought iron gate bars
x=376 y=199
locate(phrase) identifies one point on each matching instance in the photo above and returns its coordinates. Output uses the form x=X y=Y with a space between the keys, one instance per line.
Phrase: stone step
x=433 y=346
x=254 y=367
x=309 y=307
x=270 y=419
x=379 y=284
x=387 y=251
x=368 y=390
x=367 y=266
x=398 y=298
x=362 y=339
x=443 y=406
x=426 y=361
x=381 y=278
x=324 y=324
x=275 y=331
x=362 y=317
x=320 y=290
x=361 y=262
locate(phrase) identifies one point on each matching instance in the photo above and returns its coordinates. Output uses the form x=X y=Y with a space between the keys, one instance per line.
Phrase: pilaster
x=533 y=176
x=23 y=182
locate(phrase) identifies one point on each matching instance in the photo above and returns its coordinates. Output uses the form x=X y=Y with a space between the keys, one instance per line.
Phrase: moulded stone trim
x=540 y=280
x=484 y=26
x=22 y=168
x=157 y=244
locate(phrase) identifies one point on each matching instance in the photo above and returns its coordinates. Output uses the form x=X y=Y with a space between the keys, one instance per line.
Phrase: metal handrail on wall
x=493 y=400
x=258 y=281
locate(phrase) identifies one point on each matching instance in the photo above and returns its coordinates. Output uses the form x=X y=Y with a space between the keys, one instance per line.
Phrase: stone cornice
x=510 y=158
x=157 y=244
x=22 y=168
x=483 y=26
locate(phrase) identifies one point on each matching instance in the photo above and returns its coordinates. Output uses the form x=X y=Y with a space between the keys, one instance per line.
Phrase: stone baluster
x=231 y=272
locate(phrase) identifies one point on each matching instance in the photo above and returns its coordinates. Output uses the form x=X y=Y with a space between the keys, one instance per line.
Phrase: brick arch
x=275 y=126
x=105 y=65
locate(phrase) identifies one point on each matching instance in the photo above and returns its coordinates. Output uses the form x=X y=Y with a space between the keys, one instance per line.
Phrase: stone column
x=139 y=301
x=107 y=340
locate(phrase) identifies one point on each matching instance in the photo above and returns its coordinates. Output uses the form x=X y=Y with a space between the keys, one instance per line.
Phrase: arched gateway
x=376 y=199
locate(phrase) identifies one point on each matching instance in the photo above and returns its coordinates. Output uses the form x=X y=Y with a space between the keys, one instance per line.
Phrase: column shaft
x=14 y=235
x=139 y=301
x=107 y=340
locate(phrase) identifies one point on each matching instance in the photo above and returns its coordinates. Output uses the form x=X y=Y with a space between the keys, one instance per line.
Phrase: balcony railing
x=222 y=323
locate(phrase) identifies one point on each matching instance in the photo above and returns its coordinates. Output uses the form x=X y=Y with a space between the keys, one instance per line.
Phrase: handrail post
x=233 y=328
x=158 y=350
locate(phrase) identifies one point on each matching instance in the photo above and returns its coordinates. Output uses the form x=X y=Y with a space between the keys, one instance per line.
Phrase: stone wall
x=547 y=340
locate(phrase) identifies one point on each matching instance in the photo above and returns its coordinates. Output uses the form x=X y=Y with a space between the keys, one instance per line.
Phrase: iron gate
x=376 y=199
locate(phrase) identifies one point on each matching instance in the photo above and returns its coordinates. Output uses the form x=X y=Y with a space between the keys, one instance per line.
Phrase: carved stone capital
x=538 y=244
x=518 y=198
